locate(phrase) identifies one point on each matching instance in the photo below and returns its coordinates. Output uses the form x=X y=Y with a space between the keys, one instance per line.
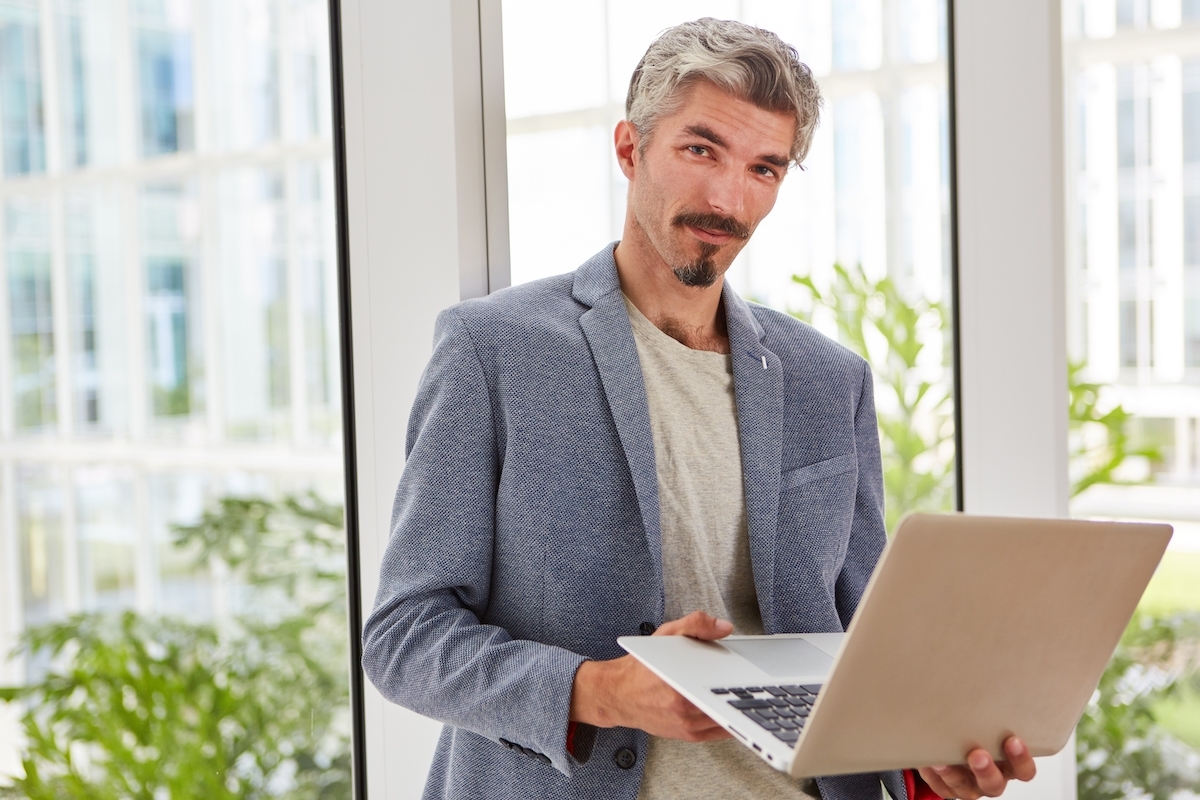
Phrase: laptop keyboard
x=782 y=710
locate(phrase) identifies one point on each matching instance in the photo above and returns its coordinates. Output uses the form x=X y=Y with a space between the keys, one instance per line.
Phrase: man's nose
x=727 y=193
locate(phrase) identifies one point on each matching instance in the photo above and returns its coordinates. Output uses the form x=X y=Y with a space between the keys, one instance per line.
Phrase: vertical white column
x=208 y=273
x=415 y=225
x=297 y=345
x=1013 y=390
x=64 y=395
x=1183 y=448
x=51 y=107
x=72 y=543
x=1100 y=196
x=145 y=567
x=11 y=601
x=6 y=347
x=134 y=287
x=1166 y=223
x=125 y=94
x=203 y=89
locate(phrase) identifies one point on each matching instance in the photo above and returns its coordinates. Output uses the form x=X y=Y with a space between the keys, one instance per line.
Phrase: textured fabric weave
x=526 y=534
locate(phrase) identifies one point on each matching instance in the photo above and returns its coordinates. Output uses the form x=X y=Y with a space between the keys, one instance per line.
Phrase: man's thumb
x=698 y=625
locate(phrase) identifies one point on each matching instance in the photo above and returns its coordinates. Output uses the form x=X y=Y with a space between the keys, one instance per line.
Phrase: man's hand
x=623 y=692
x=982 y=776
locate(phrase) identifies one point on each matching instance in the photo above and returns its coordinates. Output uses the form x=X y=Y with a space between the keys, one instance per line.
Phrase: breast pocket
x=801 y=476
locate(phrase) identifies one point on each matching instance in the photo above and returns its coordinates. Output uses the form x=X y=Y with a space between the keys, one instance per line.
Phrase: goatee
x=699 y=273
x=702 y=271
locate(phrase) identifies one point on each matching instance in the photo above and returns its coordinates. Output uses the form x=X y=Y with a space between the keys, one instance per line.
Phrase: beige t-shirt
x=705 y=549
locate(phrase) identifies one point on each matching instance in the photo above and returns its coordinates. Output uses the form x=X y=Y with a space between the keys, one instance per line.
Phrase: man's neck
x=692 y=315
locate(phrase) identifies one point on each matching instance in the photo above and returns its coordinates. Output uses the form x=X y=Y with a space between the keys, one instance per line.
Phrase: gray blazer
x=525 y=532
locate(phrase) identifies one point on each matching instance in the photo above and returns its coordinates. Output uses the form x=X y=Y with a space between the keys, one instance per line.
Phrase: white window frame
x=427 y=224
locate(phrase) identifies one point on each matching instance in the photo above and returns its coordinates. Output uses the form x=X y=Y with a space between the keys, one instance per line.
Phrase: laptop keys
x=770 y=723
x=782 y=710
x=748 y=703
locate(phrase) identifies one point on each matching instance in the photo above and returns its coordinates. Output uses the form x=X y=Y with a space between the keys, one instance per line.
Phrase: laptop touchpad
x=781 y=657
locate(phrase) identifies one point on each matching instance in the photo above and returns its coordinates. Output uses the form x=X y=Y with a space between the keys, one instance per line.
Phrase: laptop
x=971 y=629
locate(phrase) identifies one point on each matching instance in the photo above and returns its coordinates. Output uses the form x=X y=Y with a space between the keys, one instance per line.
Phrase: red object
x=917 y=788
x=571 y=741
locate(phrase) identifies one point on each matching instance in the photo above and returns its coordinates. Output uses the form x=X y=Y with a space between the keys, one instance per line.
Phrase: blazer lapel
x=758 y=390
x=610 y=337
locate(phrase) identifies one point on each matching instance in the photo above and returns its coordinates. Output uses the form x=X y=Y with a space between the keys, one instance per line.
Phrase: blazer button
x=625 y=758
x=645 y=629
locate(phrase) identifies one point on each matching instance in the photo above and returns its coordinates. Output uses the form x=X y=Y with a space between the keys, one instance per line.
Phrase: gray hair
x=750 y=63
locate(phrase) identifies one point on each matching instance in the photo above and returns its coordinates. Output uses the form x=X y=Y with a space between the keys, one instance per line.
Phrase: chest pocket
x=800 y=476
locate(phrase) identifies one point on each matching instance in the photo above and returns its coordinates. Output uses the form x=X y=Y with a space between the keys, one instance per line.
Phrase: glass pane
x=21 y=118
x=872 y=200
x=170 y=423
x=27 y=254
x=1133 y=275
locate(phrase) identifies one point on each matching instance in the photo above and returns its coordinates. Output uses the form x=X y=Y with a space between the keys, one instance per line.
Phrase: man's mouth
x=710 y=236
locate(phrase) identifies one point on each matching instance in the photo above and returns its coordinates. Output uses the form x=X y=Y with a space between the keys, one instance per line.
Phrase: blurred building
x=1132 y=118
x=168 y=312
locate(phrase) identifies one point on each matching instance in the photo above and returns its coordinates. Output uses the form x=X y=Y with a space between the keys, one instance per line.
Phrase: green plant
x=1121 y=749
x=913 y=400
x=252 y=706
x=1098 y=458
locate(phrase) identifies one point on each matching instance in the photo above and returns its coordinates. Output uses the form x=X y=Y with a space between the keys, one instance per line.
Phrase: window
x=21 y=89
x=1192 y=332
x=32 y=315
x=873 y=197
x=164 y=65
x=170 y=442
x=1140 y=97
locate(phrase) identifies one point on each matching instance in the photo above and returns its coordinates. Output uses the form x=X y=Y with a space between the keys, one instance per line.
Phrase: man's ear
x=625 y=139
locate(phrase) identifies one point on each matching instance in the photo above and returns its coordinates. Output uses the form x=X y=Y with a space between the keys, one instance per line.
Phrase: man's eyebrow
x=705 y=132
x=775 y=161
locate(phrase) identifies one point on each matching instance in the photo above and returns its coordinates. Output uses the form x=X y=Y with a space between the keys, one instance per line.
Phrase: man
x=594 y=454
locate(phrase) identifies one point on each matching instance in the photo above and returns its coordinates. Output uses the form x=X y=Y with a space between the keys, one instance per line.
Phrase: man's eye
x=766 y=172
x=698 y=149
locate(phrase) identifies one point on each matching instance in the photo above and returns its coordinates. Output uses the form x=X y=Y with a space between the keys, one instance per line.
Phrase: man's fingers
x=988 y=777
x=1020 y=762
x=697 y=625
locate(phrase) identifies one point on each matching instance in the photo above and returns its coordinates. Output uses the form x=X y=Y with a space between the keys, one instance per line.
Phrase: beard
x=702 y=270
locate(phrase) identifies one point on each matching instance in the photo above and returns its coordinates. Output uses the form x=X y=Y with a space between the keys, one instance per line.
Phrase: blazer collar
x=597 y=277
x=758 y=389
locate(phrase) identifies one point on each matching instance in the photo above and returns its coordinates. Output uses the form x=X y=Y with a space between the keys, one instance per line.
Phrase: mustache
x=712 y=222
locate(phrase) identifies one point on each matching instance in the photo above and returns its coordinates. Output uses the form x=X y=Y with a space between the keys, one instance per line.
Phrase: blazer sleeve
x=424 y=646
x=868 y=532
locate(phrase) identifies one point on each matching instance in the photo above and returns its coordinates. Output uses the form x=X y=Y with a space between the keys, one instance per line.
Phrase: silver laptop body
x=971 y=629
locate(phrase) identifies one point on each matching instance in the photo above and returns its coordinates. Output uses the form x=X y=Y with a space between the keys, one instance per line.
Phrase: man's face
x=708 y=175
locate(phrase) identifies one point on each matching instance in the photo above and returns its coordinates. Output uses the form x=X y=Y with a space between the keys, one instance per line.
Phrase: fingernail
x=1016 y=747
x=979 y=761
x=939 y=769
x=724 y=625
